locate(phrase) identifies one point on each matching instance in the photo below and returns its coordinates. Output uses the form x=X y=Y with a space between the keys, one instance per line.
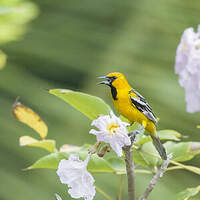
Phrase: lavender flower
x=187 y=66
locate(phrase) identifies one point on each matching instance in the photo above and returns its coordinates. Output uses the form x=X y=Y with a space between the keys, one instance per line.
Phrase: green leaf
x=99 y=165
x=49 y=145
x=181 y=151
x=186 y=194
x=3 y=59
x=146 y=156
x=163 y=135
x=150 y=149
x=108 y=164
x=139 y=158
x=95 y=165
x=118 y=164
x=90 y=106
x=50 y=161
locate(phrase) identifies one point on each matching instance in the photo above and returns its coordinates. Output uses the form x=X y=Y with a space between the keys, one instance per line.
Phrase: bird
x=133 y=106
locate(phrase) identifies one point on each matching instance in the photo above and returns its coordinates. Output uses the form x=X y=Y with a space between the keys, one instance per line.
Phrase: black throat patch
x=114 y=92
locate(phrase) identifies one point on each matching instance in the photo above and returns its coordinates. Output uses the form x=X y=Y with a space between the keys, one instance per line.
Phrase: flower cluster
x=73 y=171
x=187 y=66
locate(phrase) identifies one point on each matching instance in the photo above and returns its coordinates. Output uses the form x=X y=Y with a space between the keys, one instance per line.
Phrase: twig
x=156 y=178
x=107 y=197
x=130 y=170
x=120 y=187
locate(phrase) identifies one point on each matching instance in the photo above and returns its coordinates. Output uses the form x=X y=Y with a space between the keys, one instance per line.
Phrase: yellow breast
x=125 y=107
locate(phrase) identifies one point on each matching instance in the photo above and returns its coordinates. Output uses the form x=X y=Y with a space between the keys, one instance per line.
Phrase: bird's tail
x=159 y=147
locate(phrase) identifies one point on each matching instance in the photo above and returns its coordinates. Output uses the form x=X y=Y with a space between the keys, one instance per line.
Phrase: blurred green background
x=68 y=45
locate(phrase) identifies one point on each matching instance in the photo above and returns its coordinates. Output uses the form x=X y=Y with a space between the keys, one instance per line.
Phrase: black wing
x=141 y=104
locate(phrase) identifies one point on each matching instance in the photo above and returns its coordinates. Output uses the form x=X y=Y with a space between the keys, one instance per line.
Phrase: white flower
x=187 y=66
x=111 y=130
x=73 y=172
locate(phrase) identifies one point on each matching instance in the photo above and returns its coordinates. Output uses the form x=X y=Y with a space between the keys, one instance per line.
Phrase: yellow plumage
x=125 y=107
x=133 y=106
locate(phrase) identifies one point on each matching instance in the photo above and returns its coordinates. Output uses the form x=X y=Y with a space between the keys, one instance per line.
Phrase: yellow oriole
x=133 y=106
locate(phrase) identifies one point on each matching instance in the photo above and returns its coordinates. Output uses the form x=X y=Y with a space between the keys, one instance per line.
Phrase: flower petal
x=73 y=172
x=187 y=66
x=116 y=136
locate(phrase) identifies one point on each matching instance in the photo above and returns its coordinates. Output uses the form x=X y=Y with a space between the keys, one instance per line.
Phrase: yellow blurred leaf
x=49 y=145
x=3 y=59
x=27 y=140
x=30 y=118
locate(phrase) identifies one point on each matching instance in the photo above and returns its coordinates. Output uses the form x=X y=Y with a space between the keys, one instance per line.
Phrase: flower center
x=197 y=46
x=112 y=129
x=184 y=48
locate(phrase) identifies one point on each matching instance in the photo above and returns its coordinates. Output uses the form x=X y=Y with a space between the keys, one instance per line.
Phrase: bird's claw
x=133 y=133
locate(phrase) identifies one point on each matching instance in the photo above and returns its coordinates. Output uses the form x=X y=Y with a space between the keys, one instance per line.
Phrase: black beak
x=106 y=82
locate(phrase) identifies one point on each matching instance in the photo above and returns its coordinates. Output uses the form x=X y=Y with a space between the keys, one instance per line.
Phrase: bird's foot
x=133 y=133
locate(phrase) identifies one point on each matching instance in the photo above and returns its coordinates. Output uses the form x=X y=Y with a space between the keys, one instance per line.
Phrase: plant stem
x=156 y=178
x=130 y=171
x=107 y=197
x=120 y=187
